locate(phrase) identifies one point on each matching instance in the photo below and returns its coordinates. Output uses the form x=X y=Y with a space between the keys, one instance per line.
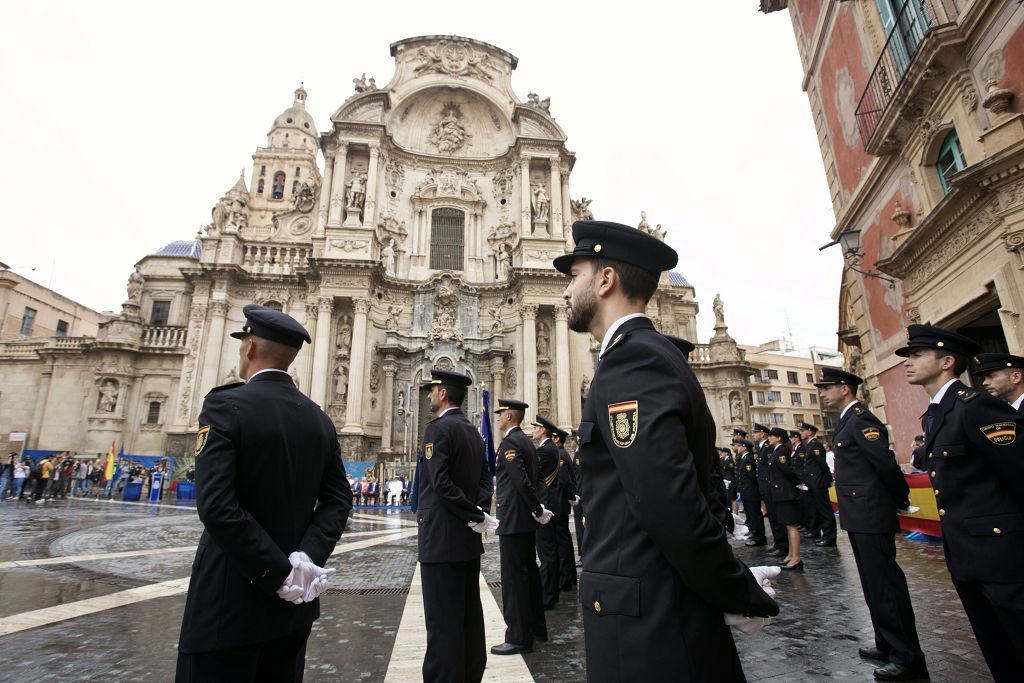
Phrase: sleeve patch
x=782 y=459
x=510 y=454
x=428 y=450
x=871 y=433
x=624 y=422
x=1000 y=433
x=201 y=437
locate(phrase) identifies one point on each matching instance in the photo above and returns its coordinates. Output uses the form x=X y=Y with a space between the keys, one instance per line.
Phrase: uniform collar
x=511 y=429
x=942 y=392
x=260 y=372
x=847 y=408
x=614 y=327
x=446 y=411
x=1016 y=404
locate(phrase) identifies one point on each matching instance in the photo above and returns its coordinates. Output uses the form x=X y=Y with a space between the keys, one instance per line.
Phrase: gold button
x=945 y=454
x=597 y=606
x=933 y=474
x=936 y=492
x=942 y=512
x=597 y=249
x=997 y=530
x=930 y=454
x=584 y=520
x=854 y=493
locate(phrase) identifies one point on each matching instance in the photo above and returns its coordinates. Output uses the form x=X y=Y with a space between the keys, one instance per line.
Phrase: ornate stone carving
x=394 y=313
x=304 y=200
x=360 y=84
x=534 y=101
x=387 y=257
x=503 y=261
x=389 y=228
x=361 y=305
x=913 y=315
x=901 y=216
x=109 y=391
x=543 y=393
x=950 y=248
x=997 y=100
x=719 y=308
x=232 y=376
x=539 y=203
x=969 y=98
x=449 y=135
x=503 y=183
x=458 y=59
x=543 y=341
x=135 y=283
x=350 y=245
x=374 y=377
x=444 y=326
x=496 y=311
x=343 y=346
x=340 y=381
x=528 y=311
x=510 y=379
x=581 y=209
x=394 y=176
x=444 y=363
x=736 y=407
x=219 y=309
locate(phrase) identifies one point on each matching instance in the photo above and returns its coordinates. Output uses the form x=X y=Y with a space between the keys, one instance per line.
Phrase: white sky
x=123 y=123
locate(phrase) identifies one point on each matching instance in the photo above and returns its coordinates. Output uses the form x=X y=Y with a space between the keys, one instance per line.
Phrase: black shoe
x=810 y=535
x=799 y=566
x=751 y=543
x=510 y=649
x=823 y=543
x=873 y=653
x=898 y=672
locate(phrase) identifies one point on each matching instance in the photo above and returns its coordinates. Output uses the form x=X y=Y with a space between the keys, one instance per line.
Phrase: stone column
x=357 y=365
x=526 y=191
x=497 y=382
x=563 y=388
x=337 y=205
x=214 y=347
x=40 y=410
x=321 y=351
x=306 y=377
x=325 y=196
x=566 y=205
x=529 y=314
x=370 y=204
x=390 y=369
x=555 y=205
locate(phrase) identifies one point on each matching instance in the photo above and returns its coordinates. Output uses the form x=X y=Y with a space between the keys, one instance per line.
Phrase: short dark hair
x=516 y=415
x=456 y=393
x=960 y=362
x=637 y=283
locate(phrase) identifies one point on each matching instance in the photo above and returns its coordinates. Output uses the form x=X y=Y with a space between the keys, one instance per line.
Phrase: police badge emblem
x=428 y=450
x=1000 y=433
x=624 y=421
x=201 y=436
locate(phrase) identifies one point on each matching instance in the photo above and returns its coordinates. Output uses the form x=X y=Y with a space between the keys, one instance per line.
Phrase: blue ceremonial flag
x=486 y=428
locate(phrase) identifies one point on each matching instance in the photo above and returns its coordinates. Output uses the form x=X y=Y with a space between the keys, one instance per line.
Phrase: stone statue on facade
x=503 y=258
x=736 y=408
x=444 y=324
x=220 y=214
x=135 y=282
x=644 y=225
x=540 y=203
x=719 y=308
x=534 y=101
x=496 y=311
x=237 y=218
x=543 y=340
x=394 y=312
x=449 y=135
x=585 y=387
x=356 y=192
x=340 y=382
x=360 y=84
x=304 y=199
x=344 y=344
x=581 y=209
x=387 y=257
x=544 y=392
x=109 y=391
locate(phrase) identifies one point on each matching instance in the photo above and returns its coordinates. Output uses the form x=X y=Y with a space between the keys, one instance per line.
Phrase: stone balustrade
x=163 y=336
x=21 y=349
x=274 y=259
x=68 y=343
x=701 y=354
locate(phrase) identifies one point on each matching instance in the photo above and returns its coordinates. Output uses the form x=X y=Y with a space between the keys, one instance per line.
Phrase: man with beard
x=1002 y=375
x=660 y=584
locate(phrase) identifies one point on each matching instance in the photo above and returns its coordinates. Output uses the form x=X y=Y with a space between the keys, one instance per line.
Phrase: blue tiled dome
x=186 y=248
x=675 y=278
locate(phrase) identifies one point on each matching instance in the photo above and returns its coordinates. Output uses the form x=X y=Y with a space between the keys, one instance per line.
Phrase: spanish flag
x=109 y=471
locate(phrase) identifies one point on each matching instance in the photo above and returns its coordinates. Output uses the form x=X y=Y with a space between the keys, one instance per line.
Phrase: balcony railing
x=274 y=259
x=912 y=23
x=163 y=336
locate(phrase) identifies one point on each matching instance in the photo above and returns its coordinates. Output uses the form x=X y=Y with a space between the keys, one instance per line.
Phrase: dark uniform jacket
x=783 y=476
x=454 y=486
x=269 y=481
x=548 y=463
x=976 y=464
x=764 y=483
x=728 y=469
x=747 y=475
x=516 y=474
x=658 y=570
x=798 y=460
x=817 y=475
x=870 y=485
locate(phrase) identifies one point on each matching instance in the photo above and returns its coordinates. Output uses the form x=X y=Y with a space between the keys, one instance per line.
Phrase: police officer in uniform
x=548 y=466
x=782 y=473
x=975 y=448
x=273 y=499
x=578 y=511
x=1002 y=376
x=658 y=570
x=567 y=497
x=870 y=488
x=520 y=512
x=454 y=490
x=780 y=538
x=728 y=469
x=746 y=473
x=818 y=478
x=806 y=509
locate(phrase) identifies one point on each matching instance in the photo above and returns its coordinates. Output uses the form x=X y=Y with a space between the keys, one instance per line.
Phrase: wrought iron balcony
x=911 y=26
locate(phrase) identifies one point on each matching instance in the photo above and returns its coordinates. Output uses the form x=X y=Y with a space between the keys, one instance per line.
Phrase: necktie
x=928 y=419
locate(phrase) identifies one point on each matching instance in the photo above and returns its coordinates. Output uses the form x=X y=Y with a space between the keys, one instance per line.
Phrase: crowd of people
x=66 y=474
x=368 y=492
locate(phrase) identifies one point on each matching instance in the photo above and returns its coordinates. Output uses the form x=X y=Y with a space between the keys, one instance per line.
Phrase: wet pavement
x=83 y=638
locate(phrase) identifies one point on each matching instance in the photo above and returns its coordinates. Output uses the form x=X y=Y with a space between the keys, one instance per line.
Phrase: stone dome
x=186 y=248
x=296 y=115
x=675 y=278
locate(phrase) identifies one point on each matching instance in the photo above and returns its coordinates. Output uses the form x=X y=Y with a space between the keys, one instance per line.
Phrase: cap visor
x=563 y=264
x=237 y=335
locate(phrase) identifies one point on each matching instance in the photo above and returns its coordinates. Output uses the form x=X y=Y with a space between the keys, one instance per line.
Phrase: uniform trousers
x=808 y=515
x=566 y=557
x=779 y=538
x=281 y=659
x=456 y=650
x=755 y=520
x=996 y=613
x=520 y=589
x=577 y=517
x=888 y=599
x=547 y=553
x=825 y=517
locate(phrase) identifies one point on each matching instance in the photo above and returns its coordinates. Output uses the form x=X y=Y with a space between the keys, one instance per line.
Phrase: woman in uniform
x=785 y=495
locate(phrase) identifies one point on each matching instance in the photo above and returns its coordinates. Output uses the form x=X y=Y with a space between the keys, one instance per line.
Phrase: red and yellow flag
x=109 y=470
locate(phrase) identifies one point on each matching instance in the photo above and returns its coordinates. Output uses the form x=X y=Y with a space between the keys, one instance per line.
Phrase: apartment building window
x=792 y=378
x=810 y=378
x=798 y=419
x=760 y=398
x=778 y=419
x=795 y=399
x=775 y=396
x=814 y=399
x=27 y=318
x=160 y=313
x=62 y=328
x=153 y=415
x=771 y=374
x=817 y=420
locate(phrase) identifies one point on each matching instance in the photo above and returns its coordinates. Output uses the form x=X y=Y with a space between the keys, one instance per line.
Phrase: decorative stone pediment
x=367 y=107
x=534 y=124
x=453 y=123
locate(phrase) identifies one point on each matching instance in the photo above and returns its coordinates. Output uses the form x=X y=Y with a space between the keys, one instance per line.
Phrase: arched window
x=950 y=161
x=153 y=415
x=259 y=188
x=298 y=171
x=446 y=239
x=278 y=186
x=263 y=171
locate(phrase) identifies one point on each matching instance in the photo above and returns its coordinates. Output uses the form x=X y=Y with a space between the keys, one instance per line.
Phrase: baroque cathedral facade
x=426 y=240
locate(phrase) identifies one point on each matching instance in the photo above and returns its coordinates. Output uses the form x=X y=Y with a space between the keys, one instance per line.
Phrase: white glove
x=747 y=625
x=740 y=531
x=545 y=515
x=763 y=575
x=292 y=594
x=802 y=487
x=727 y=482
x=574 y=502
x=305 y=582
x=488 y=525
x=909 y=510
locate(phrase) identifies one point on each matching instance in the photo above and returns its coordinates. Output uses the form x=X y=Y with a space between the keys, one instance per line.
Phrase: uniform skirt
x=787 y=512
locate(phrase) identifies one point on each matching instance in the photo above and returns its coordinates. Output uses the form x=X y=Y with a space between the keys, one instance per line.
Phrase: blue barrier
x=186 y=491
x=133 y=490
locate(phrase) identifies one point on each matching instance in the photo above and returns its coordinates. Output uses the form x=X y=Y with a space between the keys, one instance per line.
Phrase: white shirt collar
x=546 y=439
x=441 y=414
x=847 y=408
x=260 y=372
x=942 y=392
x=614 y=328
x=509 y=430
x=1016 y=404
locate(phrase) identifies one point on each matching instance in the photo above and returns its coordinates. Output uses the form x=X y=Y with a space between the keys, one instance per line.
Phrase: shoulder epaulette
x=859 y=409
x=615 y=342
x=223 y=387
x=966 y=395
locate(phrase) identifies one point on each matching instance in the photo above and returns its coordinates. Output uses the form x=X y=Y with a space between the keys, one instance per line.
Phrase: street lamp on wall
x=849 y=240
